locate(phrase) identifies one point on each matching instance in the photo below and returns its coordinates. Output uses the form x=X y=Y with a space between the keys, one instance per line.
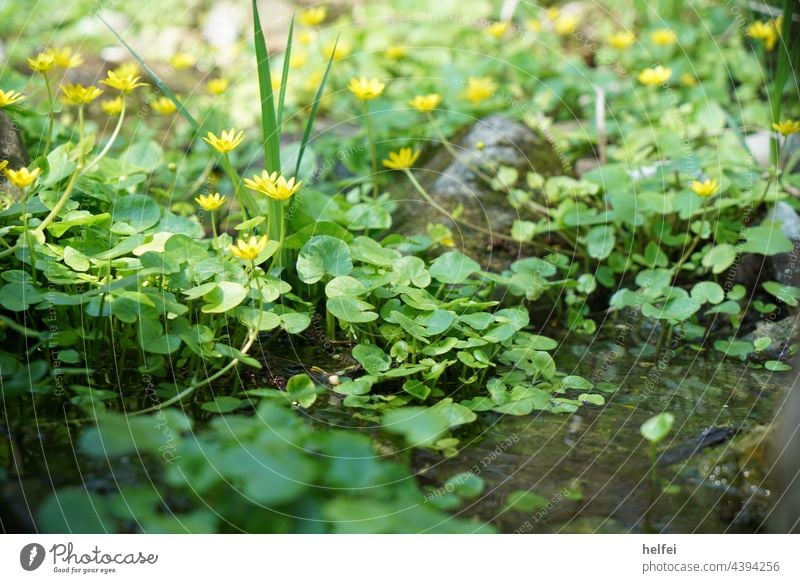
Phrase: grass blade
x=314 y=108
x=788 y=52
x=272 y=138
x=156 y=79
x=287 y=55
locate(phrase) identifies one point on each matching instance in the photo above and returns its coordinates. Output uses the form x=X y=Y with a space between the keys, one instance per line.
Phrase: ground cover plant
x=208 y=295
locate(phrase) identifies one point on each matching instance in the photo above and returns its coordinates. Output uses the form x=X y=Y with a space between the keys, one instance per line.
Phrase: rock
x=493 y=142
x=789 y=149
x=759 y=143
x=11 y=146
x=785 y=516
x=785 y=265
x=783 y=334
x=585 y=165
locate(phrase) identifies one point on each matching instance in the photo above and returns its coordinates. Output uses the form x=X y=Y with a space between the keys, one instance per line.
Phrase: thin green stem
x=196 y=385
x=450 y=216
x=110 y=142
x=214 y=229
x=80 y=136
x=246 y=201
x=373 y=152
x=50 y=115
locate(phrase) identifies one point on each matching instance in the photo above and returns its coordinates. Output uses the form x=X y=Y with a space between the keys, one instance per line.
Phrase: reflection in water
x=594 y=469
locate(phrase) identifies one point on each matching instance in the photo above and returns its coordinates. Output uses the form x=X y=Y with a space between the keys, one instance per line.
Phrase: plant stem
x=214 y=229
x=60 y=204
x=476 y=169
x=50 y=115
x=449 y=215
x=196 y=385
x=110 y=142
x=373 y=153
x=247 y=203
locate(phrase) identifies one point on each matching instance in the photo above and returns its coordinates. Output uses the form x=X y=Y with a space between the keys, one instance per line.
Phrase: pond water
x=593 y=467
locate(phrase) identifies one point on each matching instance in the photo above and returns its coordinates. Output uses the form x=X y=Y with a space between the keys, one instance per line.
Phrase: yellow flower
x=125 y=83
x=164 y=105
x=395 y=52
x=402 y=159
x=304 y=37
x=226 y=143
x=479 y=88
x=183 y=61
x=112 y=106
x=688 y=80
x=337 y=51
x=498 y=29
x=79 y=95
x=42 y=62
x=217 y=86
x=312 y=16
x=66 y=59
x=210 y=202
x=565 y=25
x=276 y=83
x=273 y=185
x=298 y=60
x=425 y=103
x=10 y=98
x=249 y=249
x=553 y=12
x=129 y=69
x=535 y=25
x=705 y=188
x=787 y=127
x=311 y=84
x=23 y=177
x=365 y=89
x=767 y=32
x=663 y=37
x=657 y=75
x=622 y=39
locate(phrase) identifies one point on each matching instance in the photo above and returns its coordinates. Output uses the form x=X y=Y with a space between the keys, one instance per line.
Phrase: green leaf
x=302 y=390
x=776 y=366
x=222 y=405
x=598 y=400
x=466 y=485
x=657 y=427
x=417 y=389
x=600 y=242
x=786 y=293
x=575 y=382
x=134 y=213
x=225 y=296
x=719 y=258
x=765 y=240
x=453 y=267
x=351 y=310
x=522 y=501
x=372 y=358
x=708 y=292
x=323 y=255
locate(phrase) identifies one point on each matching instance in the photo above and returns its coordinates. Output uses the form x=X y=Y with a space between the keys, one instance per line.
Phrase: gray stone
x=452 y=182
x=783 y=334
x=785 y=265
x=11 y=146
